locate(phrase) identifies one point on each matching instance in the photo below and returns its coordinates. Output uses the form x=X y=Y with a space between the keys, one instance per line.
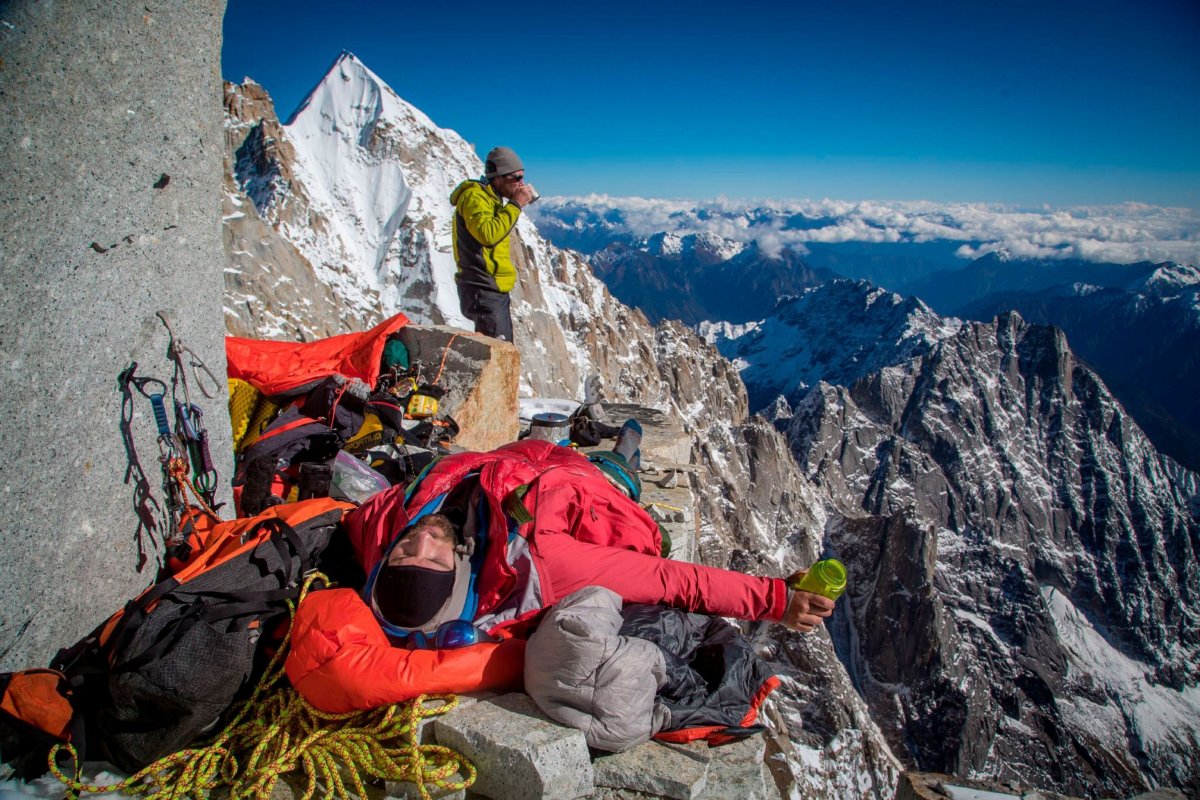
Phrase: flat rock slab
x=939 y=786
x=737 y=770
x=653 y=769
x=480 y=376
x=663 y=438
x=518 y=752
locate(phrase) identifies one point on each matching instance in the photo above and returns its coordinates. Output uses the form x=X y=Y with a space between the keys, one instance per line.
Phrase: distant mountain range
x=702 y=277
x=1137 y=324
x=888 y=243
x=952 y=291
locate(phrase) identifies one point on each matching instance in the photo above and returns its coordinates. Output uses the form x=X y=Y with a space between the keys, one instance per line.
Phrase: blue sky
x=1066 y=103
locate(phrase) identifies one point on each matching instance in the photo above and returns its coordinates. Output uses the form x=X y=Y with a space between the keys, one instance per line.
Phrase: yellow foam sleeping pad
x=249 y=413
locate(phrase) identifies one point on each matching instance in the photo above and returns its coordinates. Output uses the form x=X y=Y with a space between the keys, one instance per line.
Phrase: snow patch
x=1156 y=714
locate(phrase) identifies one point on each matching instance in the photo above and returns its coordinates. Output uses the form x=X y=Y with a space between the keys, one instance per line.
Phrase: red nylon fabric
x=39 y=698
x=277 y=367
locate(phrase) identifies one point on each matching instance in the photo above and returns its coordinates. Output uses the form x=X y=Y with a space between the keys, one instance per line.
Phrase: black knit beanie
x=409 y=596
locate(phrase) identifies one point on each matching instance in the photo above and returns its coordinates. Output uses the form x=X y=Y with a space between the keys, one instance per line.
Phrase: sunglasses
x=449 y=636
x=515 y=178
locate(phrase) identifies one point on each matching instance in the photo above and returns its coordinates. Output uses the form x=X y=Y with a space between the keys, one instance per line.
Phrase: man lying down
x=461 y=572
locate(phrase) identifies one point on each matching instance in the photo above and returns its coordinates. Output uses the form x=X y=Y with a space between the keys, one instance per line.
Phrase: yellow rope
x=277 y=732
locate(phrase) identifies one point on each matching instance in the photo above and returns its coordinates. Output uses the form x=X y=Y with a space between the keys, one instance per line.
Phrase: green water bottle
x=827 y=577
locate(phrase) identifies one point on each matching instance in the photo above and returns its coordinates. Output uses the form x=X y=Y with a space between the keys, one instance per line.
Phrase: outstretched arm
x=570 y=564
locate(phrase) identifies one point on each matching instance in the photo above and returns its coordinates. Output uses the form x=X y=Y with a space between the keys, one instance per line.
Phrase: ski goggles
x=449 y=636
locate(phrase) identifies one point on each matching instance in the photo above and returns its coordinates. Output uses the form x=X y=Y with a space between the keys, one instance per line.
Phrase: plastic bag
x=355 y=479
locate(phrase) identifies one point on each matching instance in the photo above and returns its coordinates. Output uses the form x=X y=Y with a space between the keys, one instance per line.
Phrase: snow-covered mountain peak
x=837 y=332
x=705 y=246
x=351 y=100
x=714 y=331
x=1169 y=279
x=354 y=163
x=664 y=244
x=710 y=245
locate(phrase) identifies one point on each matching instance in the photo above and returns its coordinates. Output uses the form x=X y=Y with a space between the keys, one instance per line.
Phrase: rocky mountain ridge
x=838 y=333
x=1025 y=559
x=1144 y=338
x=1026 y=563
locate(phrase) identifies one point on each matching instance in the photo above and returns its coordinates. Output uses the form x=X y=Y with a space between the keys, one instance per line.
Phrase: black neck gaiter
x=410 y=596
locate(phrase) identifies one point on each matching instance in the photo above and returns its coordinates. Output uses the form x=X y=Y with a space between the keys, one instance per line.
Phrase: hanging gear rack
x=189 y=419
x=169 y=450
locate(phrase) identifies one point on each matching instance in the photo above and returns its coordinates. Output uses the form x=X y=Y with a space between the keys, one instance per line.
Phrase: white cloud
x=770 y=244
x=1121 y=233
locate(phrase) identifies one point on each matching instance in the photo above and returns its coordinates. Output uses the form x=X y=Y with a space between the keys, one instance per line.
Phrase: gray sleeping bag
x=581 y=672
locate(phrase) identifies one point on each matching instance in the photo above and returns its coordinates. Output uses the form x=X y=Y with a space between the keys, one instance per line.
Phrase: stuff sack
x=168 y=667
x=35 y=714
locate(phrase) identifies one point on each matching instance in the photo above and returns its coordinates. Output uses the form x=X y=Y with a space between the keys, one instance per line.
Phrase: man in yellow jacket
x=483 y=222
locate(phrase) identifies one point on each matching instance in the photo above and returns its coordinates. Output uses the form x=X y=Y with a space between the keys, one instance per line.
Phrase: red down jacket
x=584 y=532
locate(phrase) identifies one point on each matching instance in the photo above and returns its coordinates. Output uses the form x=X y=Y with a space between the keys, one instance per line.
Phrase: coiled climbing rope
x=276 y=732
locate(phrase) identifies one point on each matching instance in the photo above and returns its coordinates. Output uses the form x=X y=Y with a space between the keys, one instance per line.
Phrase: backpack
x=167 y=668
x=307 y=435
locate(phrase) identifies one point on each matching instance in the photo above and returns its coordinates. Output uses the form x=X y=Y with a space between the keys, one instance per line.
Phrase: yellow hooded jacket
x=482 y=224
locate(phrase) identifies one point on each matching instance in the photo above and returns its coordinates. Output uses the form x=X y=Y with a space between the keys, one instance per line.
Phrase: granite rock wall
x=110 y=211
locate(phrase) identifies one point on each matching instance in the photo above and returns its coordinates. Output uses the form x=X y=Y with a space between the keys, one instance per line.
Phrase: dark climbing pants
x=488 y=309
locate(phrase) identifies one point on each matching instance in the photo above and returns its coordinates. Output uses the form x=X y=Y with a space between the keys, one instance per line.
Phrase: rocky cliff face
x=111 y=183
x=757 y=511
x=1025 y=583
x=1142 y=338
